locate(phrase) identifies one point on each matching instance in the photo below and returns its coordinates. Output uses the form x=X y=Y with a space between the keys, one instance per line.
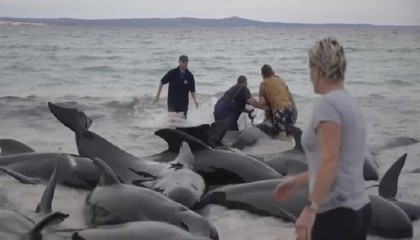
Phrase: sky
x=378 y=12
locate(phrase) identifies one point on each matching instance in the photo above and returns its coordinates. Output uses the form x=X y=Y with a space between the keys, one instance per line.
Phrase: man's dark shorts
x=283 y=118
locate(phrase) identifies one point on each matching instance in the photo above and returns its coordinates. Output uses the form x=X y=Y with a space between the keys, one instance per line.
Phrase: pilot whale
x=217 y=166
x=112 y=202
x=77 y=172
x=174 y=179
x=142 y=230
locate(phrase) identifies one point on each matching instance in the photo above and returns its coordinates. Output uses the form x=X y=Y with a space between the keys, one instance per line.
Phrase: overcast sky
x=389 y=12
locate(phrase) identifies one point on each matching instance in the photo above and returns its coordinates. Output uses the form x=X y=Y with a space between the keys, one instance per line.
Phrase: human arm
x=158 y=93
x=328 y=140
x=192 y=89
x=261 y=103
x=163 y=81
x=195 y=99
x=290 y=186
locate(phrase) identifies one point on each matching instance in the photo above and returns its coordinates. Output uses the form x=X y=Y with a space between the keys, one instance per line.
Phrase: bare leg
x=283 y=136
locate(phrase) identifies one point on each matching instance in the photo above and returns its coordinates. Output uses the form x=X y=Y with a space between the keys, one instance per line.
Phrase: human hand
x=285 y=189
x=303 y=225
x=156 y=100
x=250 y=115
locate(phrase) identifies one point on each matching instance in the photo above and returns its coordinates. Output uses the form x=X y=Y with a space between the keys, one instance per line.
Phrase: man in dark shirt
x=181 y=82
x=233 y=102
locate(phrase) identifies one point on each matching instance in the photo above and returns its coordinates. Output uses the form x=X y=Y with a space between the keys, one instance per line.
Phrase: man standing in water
x=181 y=82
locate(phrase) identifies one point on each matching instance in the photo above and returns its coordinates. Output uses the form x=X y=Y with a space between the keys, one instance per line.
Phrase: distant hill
x=166 y=22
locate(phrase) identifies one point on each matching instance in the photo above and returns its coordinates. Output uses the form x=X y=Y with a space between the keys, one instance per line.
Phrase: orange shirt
x=275 y=92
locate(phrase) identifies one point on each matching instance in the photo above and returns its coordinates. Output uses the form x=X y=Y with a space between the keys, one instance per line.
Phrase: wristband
x=312 y=205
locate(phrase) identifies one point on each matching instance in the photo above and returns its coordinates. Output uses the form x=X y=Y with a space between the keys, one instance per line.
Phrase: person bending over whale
x=338 y=206
x=275 y=97
x=233 y=102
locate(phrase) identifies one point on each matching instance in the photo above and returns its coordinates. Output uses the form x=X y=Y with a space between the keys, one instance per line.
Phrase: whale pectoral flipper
x=108 y=177
x=47 y=197
x=20 y=177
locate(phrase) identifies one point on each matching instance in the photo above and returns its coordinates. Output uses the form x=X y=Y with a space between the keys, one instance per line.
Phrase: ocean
x=112 y=74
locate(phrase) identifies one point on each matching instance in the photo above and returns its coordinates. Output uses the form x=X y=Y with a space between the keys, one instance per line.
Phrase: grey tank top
x=348 y=187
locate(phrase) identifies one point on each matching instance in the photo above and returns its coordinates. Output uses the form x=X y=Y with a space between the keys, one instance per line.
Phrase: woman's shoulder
x=338 y=99
x=337 y=95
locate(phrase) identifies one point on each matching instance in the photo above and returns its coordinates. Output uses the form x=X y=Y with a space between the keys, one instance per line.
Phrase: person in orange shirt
x=274 y=97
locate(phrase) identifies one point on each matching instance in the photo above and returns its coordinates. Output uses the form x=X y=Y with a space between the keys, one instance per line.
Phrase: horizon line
x=197 y=18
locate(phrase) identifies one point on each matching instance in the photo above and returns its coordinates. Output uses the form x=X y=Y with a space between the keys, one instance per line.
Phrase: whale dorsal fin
x=388 y=186
x=20 y=177
x=200 y=132
x=11 y=146
x=185 y=156
x=175 y=137
x=218 y=131
x=209 y=134
x=108 y=177
x=47 y=197
x=50 y=219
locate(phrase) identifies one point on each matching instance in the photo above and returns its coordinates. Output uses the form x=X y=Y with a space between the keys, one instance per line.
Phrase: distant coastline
x=177 y=22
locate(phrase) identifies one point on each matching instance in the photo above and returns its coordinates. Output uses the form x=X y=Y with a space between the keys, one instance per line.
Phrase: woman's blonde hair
x=328 y=56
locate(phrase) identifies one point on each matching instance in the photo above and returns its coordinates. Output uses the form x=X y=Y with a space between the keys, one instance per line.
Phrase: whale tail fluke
x=72 y=118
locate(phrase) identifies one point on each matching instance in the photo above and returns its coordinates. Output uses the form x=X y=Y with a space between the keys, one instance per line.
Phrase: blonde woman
x=338 y=206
